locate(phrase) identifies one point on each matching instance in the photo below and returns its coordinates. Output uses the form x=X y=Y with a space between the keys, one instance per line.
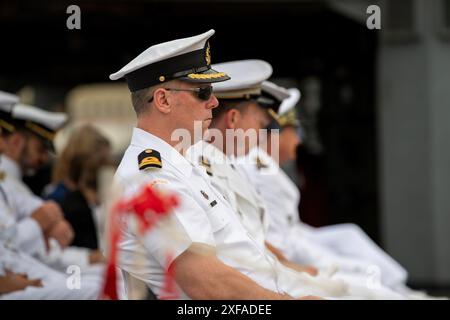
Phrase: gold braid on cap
x=206 y=76
x=7 y=125
x=274 y=115
x=208 y=54
x=40 y=130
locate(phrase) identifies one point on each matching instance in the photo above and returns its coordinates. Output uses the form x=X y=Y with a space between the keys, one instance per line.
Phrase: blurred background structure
x=375 y=103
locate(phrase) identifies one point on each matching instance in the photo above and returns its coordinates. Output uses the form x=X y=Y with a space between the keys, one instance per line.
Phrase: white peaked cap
x=291 y=101
x=187 y=59
x=40 y=122
x=274 y=91
x=246 y=78
x=7 y=100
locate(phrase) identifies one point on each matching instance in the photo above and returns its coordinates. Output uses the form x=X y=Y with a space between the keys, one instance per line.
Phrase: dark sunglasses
x=202 y=93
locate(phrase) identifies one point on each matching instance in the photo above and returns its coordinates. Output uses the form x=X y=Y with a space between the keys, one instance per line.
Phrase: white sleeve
x=59 y=258
x=29 y=236
x=2 y=268
x=21 y=200
x=187 y=224
x=75 y=256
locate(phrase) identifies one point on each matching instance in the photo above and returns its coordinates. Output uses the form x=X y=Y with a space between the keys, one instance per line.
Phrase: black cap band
x=268 y=100
x=168 y=69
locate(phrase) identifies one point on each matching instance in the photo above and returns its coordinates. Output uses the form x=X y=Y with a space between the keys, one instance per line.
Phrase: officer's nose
x=213 y=102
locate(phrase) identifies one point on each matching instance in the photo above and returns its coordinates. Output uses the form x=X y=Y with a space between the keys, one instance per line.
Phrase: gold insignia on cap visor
x=289 y=119
x=149 y=159
x=206 y=76
x=186 y=59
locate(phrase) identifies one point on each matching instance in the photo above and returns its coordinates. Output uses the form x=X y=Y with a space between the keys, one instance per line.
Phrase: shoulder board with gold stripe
x=149 y=158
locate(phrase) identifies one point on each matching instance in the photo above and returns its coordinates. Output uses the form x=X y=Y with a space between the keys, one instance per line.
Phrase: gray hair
x=139 y=99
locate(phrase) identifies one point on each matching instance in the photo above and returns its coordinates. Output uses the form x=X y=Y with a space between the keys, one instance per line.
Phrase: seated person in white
x=345 y=246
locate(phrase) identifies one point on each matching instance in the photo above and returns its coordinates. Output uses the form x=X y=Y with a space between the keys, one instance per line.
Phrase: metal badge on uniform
x=149 y=158
x=204 y=194
x=206 y=164
x=260 y=164
x=156 y=182
x=213 y=203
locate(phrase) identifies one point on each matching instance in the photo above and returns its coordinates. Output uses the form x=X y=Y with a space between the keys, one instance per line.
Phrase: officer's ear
x=161 y=101
x=232 y=118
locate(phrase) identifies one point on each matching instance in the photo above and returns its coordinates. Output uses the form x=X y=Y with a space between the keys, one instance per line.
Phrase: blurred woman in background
x=75 y=186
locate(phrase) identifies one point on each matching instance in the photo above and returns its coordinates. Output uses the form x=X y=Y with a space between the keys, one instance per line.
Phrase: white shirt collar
x=145 y=140
x=10 y=167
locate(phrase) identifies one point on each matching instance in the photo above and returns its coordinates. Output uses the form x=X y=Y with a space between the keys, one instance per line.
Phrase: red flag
x=148 y=206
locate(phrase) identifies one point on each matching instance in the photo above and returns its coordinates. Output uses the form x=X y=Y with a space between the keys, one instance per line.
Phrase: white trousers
x=347 y=247
x=56 y=285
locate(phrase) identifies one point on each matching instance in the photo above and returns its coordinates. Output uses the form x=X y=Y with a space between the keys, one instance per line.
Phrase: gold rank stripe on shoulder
x=206 y=76
x=149 y=158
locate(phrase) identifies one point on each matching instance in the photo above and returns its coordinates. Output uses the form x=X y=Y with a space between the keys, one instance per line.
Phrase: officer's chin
x=206 y=125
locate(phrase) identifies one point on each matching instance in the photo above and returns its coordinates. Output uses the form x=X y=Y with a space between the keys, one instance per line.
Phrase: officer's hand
x=96 y=257
x=12 y=282
x=311 y=270
x=47 y=215
x=62 y=232
x=310 y=298
x=302 y=268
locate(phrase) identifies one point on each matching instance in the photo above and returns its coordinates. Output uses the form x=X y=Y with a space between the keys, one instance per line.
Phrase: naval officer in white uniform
x=23 y=277
x=242 y=111
x=213 y=255
x=26 y=138
x=345 y=246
